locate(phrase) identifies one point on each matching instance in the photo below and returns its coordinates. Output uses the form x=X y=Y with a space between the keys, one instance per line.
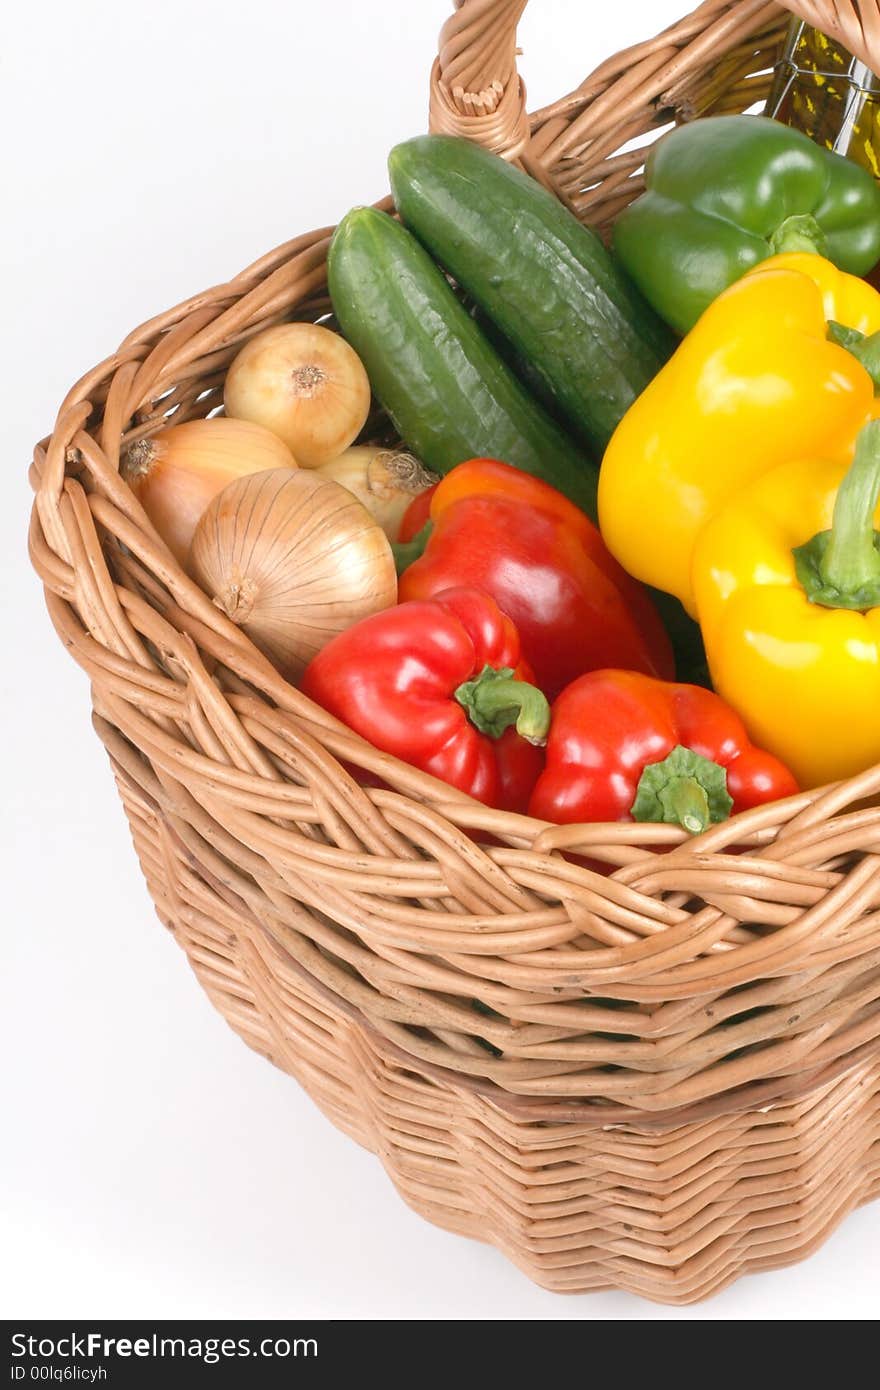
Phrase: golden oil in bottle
x=821 y=89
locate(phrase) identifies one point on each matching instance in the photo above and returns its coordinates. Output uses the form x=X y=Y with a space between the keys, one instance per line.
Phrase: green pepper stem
x=851 y=560
x=495 y=700
x=407 y=552
x=684 y=789
x=840 y=568
x=685 y=803
x=865 y=347
x=800 y=232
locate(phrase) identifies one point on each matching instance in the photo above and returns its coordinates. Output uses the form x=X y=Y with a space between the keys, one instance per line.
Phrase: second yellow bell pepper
x=756 y=383
x=787 y=585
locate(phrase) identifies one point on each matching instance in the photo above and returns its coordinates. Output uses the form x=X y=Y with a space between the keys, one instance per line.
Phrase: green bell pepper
x=727 y=192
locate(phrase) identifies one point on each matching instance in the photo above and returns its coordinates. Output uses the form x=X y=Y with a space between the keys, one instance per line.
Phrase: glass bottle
x=820 y=88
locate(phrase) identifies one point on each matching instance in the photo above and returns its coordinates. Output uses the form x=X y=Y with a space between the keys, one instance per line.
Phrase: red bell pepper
x=441 y=684
x=625 y=747
x=546 y=566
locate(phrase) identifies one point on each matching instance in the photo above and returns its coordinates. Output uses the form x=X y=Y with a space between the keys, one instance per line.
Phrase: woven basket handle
x=855 y=23
x=475 y=88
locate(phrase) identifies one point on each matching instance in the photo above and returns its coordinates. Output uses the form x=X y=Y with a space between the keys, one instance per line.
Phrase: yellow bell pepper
x=787 y=585
x=756 y=383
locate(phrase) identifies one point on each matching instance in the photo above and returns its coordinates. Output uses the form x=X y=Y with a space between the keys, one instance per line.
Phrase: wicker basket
x=655 y=1079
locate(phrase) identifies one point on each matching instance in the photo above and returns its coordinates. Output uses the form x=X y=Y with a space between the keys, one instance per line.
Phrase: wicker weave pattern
x=426 y=985
x=672 y=1212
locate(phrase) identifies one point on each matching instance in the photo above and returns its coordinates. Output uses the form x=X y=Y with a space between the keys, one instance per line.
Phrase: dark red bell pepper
x=441 y=684
x=625 y=747
x=547 y=567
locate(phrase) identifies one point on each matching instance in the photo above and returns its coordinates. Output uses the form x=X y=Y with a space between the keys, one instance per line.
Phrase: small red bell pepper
x=625 y=747
x=546 y=566
x=441 y=684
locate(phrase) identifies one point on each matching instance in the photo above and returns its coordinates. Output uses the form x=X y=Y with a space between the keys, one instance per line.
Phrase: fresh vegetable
x=726 y=193
x=446 y=390
x=177 y=472
x=443 y=686
x=519 y=364
x=293 y=559
x=546 y=566
x=385 y=480
x=625 y=747
x=545 y=279
x=306 y=385
x=413 y=521
x=755 y=384
x=787 y=580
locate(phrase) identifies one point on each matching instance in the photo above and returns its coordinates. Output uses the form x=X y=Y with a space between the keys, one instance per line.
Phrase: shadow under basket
x=653 y=1079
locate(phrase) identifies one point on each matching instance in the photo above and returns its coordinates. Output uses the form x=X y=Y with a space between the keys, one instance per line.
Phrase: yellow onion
x=306 y=385
x=385 y=480
x=293 y=559
x=177 y=472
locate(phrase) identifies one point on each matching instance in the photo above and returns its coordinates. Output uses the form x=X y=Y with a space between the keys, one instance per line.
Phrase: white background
x=151 y=1165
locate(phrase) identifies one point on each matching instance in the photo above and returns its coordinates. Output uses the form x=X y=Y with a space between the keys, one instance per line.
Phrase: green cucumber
x=546 y=281
x=445 y=388
x=520 y=366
